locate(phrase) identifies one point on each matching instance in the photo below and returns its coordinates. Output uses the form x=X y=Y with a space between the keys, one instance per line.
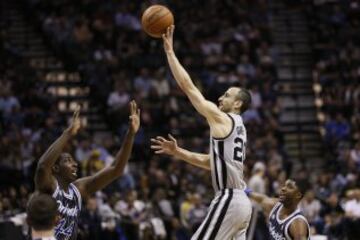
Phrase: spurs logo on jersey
x=228 y=156
x=69 y=206
x=279 y=229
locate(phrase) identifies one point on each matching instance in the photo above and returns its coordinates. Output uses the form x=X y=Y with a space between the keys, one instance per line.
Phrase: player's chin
x=282 y=198
x=73 y=176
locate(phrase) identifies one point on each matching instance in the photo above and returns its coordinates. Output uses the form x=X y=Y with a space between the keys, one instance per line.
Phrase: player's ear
x=55 y=168
x=299 y=195
x=237 y=104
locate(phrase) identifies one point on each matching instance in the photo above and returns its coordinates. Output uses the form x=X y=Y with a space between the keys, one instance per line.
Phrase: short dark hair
x=42 y=211
x=245 y=96
x=302 y=186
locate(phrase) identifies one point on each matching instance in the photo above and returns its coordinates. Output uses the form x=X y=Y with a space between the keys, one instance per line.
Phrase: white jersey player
x=230 y=211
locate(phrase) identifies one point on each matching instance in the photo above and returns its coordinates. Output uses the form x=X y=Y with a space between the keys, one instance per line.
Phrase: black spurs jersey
x=279 y=229
x=69 y=206
x=227 y=156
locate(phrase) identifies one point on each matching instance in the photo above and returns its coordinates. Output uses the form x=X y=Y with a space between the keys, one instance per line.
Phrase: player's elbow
x=186 y=84
x=206 y=164
x=42 y=168
x=116 y=172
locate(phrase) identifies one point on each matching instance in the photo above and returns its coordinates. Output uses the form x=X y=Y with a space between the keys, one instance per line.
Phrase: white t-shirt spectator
x=310 y=209
x=8 y=103
x=352 y=207
x=118 y=100
x=161 y=86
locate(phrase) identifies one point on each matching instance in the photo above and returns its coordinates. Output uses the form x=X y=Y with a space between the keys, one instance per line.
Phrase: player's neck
x=289 y=208
x=42 y=234
x=63 y=184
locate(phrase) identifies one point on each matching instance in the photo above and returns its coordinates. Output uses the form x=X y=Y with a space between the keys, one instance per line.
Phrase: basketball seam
x=149 y=26
x=156 y=11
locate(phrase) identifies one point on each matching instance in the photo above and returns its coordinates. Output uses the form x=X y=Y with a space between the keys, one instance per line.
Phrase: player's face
x=68 y=167
x=228 y=99
x=288 y=192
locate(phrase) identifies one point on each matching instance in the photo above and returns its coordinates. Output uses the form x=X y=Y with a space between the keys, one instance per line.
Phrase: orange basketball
x=156 y=19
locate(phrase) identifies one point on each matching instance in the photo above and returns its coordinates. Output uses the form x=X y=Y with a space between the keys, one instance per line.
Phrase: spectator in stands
x=42 y=216
x=90 y=221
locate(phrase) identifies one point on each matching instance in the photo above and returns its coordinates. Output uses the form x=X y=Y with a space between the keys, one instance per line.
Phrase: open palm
x=75 y=123
x=164 y=146
x=134 y=117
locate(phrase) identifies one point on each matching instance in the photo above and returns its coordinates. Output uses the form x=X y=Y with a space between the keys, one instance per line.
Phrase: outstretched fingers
x=132 y=107
x=171 y=30
x=171 y=137
x=159 y=151
x=76 y=112
x=156 y=141
x=161 y=138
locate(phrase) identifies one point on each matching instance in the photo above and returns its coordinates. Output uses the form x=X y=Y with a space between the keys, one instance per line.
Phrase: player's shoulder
x=299 y=226
x=300 y=219
x=236 y=118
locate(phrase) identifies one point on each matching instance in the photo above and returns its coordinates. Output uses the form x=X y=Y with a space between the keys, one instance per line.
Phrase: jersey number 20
x=239 y=150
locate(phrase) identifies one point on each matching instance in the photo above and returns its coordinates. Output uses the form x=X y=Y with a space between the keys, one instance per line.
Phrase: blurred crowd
x=336 y=40
x=227 y=43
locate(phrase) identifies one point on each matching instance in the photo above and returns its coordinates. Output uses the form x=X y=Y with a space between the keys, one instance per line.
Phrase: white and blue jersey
x=279 y=229
x=69 y=206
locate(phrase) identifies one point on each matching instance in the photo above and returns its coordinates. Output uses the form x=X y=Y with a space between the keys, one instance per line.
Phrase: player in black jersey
x=286 y=222
x=42 y=216
x=56 y=174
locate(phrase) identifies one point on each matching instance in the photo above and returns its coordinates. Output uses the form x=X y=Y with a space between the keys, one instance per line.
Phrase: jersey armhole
x=287 y=226
x=77 y=193
x=231 y=131
x=56 y=192
x=275 y=207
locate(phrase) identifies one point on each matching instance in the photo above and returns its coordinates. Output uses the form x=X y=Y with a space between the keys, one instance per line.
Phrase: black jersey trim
x=222 y=216
x=232 y=129
x=215 y=165
x=223 y=164
x=210 y=216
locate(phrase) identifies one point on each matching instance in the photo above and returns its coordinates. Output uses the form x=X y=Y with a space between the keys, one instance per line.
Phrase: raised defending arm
x=265 y=202
x=44 y=179
x=91 y=184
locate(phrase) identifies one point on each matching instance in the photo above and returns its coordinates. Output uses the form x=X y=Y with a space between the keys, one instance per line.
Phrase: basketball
x=156 y=19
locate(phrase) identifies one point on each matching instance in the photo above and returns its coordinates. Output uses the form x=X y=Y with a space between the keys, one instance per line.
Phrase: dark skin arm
x=298 y=230
x=44 y=179
x=89 y=185
x=266 y=202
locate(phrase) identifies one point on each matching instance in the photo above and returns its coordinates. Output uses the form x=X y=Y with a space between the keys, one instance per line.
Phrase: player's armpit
x=206 y=108
x=298 y=230
x=44 y=180
x=183 y=79
x=91 y=184
x=268 y=204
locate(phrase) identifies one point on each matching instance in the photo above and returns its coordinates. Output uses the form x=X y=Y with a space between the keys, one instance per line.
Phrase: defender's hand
x=134 y=123
x=75 y=123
